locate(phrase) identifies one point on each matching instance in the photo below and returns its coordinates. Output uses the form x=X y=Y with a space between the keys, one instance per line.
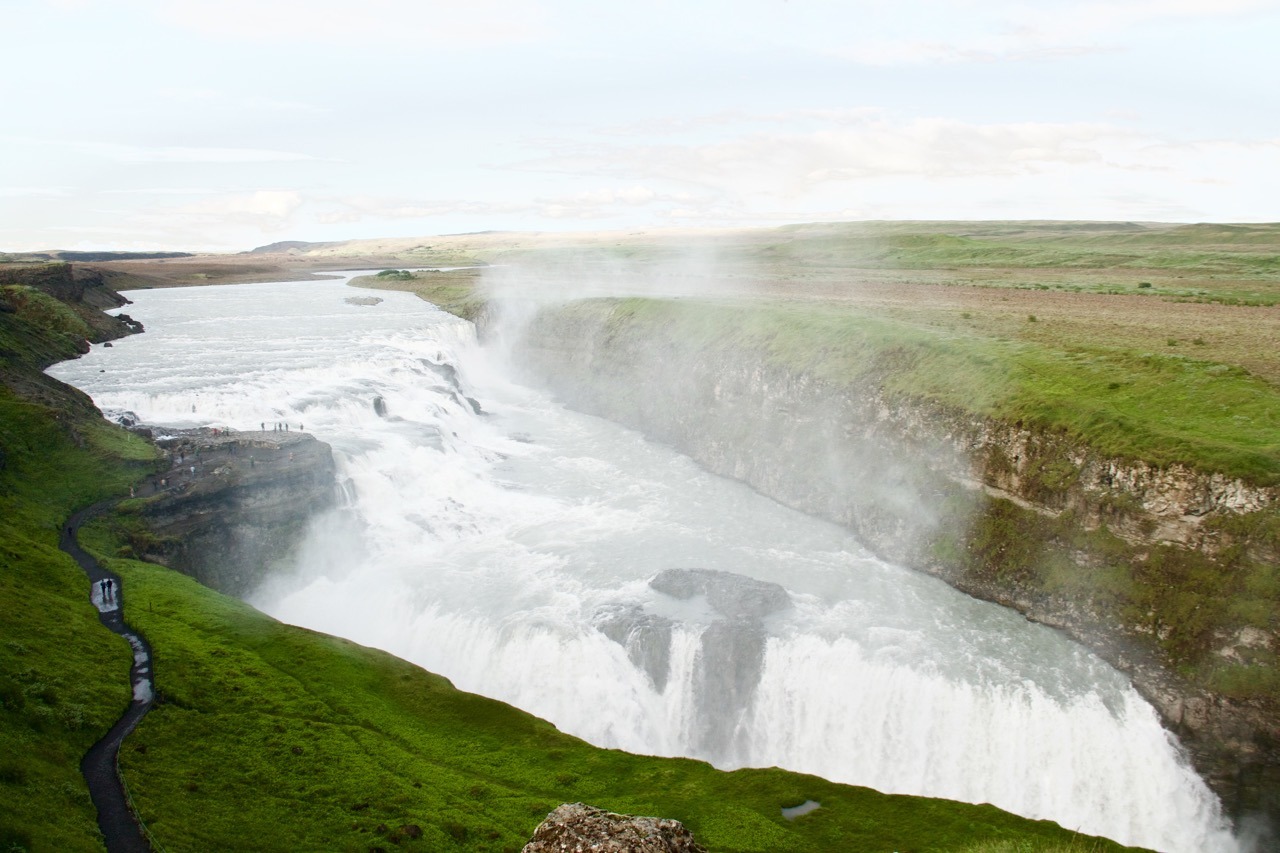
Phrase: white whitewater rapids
x=512 y=550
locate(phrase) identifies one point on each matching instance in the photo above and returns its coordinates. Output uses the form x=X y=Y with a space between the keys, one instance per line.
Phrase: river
x=511 y=549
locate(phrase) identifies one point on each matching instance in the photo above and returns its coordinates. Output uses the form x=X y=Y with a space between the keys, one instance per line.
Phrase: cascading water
x=565 y=565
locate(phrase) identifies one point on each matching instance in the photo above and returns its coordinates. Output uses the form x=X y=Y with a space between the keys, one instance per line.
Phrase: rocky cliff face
x=1148 y=566
x=85 y=291
x=232 y=505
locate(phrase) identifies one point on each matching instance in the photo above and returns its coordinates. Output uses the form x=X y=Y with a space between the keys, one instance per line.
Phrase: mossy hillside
x=1184 y=605
x=1151 y=407
x=307 y=742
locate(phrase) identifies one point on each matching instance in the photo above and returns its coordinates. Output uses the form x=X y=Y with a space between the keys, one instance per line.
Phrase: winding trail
x=119 y=826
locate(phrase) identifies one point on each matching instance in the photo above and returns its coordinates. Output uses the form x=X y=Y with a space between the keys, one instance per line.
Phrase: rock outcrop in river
x=730 y=658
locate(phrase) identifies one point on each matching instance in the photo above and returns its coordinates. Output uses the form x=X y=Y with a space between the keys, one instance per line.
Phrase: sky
x=227 y=124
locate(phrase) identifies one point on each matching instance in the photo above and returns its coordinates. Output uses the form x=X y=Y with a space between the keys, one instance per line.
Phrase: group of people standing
x=280 y=426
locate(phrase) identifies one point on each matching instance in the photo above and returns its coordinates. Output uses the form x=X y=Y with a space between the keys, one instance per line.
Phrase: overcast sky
x=225 y=124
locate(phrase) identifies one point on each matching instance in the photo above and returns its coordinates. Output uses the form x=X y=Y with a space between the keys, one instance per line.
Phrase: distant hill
x=287 y=247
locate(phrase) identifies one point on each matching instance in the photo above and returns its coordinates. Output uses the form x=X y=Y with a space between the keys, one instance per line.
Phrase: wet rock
x=579 y=828
x=444 y=370
x=449 y=374
x=733 y=596
x=730 y=659
x=380 y=407
x=727 y=671
x=134 y=326
x=646 y=637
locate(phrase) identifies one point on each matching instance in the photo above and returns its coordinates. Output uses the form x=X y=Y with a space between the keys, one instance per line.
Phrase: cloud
x=440 y=23
x=1003 y=31
x=182 y=154
x=789 y=162
x=121 y=153
x=206 y=99
x=263 y=204
x=34 y=192
x=674 y=125
x=260 y=211
x=598 y=204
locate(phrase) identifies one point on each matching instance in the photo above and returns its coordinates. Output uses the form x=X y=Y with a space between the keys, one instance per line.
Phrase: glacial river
x=511 y=549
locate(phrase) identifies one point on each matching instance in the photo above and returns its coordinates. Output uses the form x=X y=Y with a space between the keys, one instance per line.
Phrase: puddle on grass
x=804 y=808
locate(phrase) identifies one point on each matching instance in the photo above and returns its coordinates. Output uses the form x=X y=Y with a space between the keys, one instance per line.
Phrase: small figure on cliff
x=102 y=589
x=264 y=426
x=110 y=591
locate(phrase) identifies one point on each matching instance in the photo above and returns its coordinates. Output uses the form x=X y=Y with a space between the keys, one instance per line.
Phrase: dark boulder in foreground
x=579 y=828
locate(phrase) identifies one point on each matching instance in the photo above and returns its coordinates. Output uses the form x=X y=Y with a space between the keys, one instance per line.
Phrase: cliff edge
x=230 y=505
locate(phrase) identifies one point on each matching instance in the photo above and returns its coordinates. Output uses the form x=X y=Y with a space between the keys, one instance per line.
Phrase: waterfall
x=567 y=566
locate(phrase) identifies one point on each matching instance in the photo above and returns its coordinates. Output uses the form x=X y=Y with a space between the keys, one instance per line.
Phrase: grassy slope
x=271 y=737
x=63 y=679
